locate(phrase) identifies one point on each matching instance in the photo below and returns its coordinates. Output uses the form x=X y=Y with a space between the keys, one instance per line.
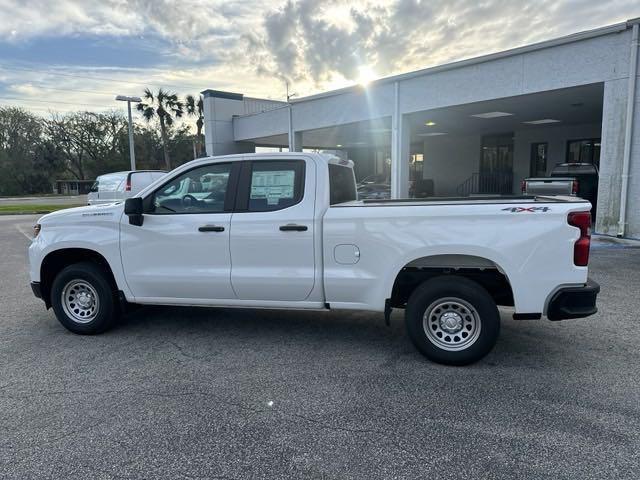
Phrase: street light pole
x=132 y=153
x=292 y=145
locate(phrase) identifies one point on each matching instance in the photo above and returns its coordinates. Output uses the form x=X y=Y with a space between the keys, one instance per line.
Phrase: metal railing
x=487 y=183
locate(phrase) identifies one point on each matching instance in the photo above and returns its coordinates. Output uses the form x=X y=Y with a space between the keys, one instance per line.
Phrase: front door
x=272 y=231
x=181 y=251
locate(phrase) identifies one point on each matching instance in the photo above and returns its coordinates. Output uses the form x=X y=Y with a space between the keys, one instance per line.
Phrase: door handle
x=210 y=228
x=293 y=228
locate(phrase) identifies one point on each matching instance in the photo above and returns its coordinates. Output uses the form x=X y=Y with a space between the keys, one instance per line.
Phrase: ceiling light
x=431 y=134
x=379 y=130
x=542 y=121
x=492 y=115
x=338 y=145
x=430 y=123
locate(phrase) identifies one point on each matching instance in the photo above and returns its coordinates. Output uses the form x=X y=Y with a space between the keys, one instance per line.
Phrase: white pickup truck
x=284 y=231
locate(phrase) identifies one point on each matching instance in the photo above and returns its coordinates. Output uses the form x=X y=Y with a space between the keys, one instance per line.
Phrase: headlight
x=36 y=230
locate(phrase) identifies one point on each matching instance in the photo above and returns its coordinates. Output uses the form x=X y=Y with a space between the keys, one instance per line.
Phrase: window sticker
x=272 y=185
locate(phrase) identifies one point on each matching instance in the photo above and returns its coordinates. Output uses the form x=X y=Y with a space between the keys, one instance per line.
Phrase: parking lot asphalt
x=239 y=394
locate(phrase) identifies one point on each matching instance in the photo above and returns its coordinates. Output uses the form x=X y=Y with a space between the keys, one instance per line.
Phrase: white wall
x=556 y=136
x=450 y=160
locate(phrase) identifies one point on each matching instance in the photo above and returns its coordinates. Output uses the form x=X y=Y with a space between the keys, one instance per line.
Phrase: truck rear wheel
x=83 y=299
x=452 y=320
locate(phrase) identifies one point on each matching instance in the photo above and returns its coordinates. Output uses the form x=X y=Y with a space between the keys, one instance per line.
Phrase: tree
x=28 y=163
x=89 y=143
x=165 y=106
x=196 y=109
x=149 y=151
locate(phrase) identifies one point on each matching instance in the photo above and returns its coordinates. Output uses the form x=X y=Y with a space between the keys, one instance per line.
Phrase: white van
x=118 y=186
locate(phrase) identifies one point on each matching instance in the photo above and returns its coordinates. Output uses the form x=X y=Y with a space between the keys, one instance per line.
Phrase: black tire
x=463 y=325
x=90 y=279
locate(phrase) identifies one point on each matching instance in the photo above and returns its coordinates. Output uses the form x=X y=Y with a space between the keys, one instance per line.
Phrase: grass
x=25 y=209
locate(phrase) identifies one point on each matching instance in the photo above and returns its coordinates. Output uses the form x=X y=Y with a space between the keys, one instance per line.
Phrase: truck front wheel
x=83 y=299
x=452 y=320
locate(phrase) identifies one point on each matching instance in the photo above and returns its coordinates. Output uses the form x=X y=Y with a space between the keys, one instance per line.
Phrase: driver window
x=201 y=190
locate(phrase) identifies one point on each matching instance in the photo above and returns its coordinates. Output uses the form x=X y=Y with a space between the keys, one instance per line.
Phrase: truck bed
x=527 y=238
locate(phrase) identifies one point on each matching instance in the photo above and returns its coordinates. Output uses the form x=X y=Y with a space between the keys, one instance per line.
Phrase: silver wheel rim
x=80 y=301
x=451 y=324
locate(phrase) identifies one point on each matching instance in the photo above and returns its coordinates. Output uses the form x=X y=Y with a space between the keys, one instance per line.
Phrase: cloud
x=313 y=42
x=251 y=46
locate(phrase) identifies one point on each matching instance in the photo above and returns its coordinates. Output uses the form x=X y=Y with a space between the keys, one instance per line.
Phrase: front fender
x=100 y=236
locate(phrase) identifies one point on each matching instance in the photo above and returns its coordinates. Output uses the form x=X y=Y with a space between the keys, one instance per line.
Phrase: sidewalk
x=606 y=241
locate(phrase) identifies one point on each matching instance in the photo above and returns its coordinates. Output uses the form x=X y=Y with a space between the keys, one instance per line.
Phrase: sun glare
x=366 y=75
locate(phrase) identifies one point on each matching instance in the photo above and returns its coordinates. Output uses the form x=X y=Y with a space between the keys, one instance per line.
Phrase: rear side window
x=275 y=185
x=110 y=183
x=156 y=175
x=139 y=180
x=342 y=184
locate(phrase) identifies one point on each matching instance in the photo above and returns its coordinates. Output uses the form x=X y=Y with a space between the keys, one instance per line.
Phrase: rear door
x=272 y=231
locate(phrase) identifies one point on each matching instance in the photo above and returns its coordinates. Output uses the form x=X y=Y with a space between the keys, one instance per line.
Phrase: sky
x=68 y=55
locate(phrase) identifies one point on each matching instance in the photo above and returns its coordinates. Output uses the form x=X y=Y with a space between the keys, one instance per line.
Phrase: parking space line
x=29 y=237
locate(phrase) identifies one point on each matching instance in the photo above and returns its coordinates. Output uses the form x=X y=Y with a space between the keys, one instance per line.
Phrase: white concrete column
x=611 y=154
x=295 y=138
x=400 y=149
x=629 y=222
x=219 y=110
x=297 y=142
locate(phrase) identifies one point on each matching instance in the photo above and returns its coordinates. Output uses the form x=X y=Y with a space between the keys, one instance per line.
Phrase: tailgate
x=549 y=186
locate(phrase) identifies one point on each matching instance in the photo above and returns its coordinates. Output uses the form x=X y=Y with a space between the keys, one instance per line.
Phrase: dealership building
x=472 y=127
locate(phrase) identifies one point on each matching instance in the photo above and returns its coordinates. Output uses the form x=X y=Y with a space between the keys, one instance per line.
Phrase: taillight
x=581 y=220
x=523 y=186
x=127 y=187
x=574 y=187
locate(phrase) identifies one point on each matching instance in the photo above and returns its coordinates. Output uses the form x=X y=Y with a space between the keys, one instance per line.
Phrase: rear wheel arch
x=484 y=271
x=55 y=261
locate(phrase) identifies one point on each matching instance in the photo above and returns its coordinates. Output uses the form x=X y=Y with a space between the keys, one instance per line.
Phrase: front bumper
x=574 y=302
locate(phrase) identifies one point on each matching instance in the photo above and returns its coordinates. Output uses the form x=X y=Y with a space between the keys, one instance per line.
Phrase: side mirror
x=133 y=209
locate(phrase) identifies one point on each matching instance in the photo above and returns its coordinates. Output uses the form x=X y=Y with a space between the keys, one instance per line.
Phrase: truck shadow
x=297 y=334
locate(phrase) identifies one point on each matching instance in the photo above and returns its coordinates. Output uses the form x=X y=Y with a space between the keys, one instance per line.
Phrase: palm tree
x=164 y=105
x=196 y=109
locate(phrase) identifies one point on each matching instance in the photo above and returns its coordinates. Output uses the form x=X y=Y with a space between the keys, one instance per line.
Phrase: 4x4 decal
x=526 y=209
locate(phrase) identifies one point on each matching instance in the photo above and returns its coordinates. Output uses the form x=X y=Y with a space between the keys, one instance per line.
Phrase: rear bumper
x=574 y=302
